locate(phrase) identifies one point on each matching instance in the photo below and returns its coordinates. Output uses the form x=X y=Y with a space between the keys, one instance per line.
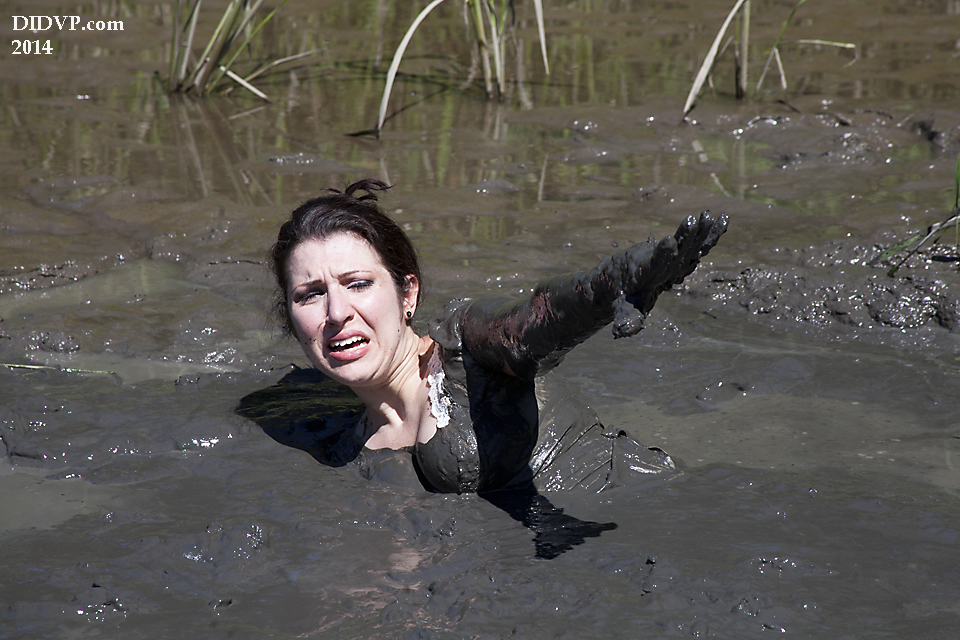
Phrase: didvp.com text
x=38 y=24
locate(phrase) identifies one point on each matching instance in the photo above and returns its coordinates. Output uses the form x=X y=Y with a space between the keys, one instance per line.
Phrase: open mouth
x=348 y=343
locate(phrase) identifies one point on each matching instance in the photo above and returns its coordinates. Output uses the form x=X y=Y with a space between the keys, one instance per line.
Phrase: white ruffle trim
x=440 y=403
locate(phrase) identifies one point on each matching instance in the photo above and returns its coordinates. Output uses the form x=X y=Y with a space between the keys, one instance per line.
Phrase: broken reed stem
x=482 y=14
x=40 y=367
x=744 y=58
x=742 y=12
x=709 y=60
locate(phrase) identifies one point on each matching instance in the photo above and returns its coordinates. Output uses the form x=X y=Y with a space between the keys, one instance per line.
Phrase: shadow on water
x=308 y=411
x=556 y=532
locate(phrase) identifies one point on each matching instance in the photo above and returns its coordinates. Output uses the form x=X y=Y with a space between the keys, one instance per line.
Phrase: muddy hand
x=654 y=267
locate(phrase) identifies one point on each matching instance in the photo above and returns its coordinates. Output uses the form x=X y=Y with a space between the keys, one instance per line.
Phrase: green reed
x=489 y=24
x=237 y=27
x=741 y=13
x=936 y=229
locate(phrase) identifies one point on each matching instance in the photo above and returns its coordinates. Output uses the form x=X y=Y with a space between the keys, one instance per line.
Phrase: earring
x=409 y=314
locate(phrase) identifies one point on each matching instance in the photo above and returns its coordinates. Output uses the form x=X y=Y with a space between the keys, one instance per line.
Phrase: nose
x=339 y=309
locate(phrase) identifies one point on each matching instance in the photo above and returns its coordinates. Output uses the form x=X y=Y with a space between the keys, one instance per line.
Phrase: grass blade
x=278 y=62
x=709 y=60
x=774 y=57
x=51 y=367
x=786 y=22
x=175 y=51
x=502 y=44
x=829 y=43
x=482 y=45
x=200 y=73
x=253 y=33
x=538 y=8
x=243 y=83
x=395 y=64
x=894 y=250
x=956 y=198
x=223 y=41
x=956 y=185
x=248 y=14
x=188 y=45
x=744 y=56
x=181 y=49
x=774 y=53
x=496 y=36
x=841 y=45
x=952 y=220
x=783 y=74
x=766 y=67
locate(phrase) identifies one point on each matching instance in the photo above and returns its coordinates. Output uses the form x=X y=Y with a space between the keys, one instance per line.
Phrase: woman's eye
x=360 y=285
x=307 y=296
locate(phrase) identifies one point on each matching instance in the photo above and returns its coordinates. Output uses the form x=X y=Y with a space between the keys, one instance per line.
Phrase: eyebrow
x=304 y=284
x=318 y=280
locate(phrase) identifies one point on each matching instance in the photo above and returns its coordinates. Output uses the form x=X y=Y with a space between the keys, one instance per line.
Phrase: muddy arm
x=529 y=336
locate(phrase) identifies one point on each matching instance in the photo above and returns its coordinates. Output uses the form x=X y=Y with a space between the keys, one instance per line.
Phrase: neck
x=394 y=409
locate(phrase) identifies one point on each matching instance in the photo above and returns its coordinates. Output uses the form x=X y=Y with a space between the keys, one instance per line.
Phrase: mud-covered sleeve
x=528 y=336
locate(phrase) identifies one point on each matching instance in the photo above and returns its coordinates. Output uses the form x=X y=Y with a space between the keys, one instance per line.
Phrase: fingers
x=651 y=268
x=692 y=234
x=697 y=237
x=686 y=228
x=717 y=229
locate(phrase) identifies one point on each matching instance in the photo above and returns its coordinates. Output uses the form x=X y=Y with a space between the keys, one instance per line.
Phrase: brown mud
x=811 y=399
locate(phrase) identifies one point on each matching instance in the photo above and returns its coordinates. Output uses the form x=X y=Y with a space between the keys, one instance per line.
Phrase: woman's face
x=346 y=310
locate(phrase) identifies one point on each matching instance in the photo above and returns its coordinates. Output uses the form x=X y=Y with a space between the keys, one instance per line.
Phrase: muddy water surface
x=811 y=399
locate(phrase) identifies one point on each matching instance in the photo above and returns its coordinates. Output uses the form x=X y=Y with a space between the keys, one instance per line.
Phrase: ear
x=409 y=294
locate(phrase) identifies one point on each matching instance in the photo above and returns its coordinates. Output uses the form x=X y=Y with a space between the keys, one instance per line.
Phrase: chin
x=350 y=373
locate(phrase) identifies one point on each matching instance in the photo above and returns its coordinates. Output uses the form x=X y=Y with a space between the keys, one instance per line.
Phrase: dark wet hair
x=343 y=212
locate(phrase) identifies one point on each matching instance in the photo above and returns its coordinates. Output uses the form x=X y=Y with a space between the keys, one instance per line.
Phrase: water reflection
x=604 y=53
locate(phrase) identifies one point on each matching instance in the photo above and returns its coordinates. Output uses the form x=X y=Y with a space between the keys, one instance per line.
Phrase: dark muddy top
x=492 y=350
x=497 y=430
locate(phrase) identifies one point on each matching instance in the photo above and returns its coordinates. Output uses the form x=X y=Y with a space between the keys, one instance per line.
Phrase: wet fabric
x=531 y=335
x=506 y=431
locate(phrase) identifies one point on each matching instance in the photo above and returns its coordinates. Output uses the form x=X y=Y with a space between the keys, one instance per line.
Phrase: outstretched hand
x=652 y=267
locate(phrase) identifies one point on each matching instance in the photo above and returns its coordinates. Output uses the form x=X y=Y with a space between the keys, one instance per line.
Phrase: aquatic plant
x=919 y=239
x=489 y=25
x=956 y=184
x=741 y=12
x=234 y=32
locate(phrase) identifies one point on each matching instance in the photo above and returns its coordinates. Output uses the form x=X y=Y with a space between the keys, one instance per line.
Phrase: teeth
x=344 y=344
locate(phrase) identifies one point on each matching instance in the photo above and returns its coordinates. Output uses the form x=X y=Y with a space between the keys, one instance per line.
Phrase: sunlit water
x=820 y=490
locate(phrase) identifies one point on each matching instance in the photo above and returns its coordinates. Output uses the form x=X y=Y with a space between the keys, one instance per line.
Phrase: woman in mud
x=468 y=400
